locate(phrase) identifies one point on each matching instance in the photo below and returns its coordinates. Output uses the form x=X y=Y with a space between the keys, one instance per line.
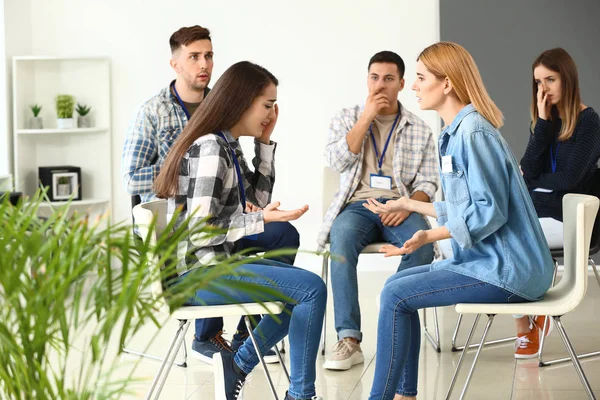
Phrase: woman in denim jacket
x=500 y=253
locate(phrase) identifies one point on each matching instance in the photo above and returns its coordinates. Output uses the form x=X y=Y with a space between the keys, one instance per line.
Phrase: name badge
x=447 y=165
x=381 y=182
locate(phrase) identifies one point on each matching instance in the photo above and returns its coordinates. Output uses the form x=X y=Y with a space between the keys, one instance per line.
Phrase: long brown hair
x=559 y=61
x=229 y=99
x=452 y=61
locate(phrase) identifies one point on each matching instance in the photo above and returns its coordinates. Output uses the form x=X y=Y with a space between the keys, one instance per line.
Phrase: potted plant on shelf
x=64 y=186
x=65 y=104
x=35 y=122
x=83 y=120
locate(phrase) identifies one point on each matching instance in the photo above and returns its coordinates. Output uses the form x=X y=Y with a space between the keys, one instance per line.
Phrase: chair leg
x=434 y=342
x=462 y=356
x=260 y=356
x=543 y=363
x=325 y=276
x=182 y=364
x=282 y=350
x=455 y=334
x=593 y=264
x=287 y=374
x=475 y=345
x=481 y=344
x=574 y=358
x=162 y=374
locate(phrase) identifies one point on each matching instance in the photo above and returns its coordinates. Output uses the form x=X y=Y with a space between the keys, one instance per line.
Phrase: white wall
x=319 y=51
x=15 y=39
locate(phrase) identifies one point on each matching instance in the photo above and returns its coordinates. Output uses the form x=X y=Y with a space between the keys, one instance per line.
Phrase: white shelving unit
x=37 y=80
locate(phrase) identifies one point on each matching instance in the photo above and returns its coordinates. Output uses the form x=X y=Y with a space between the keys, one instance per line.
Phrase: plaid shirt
x=415 y=161
x=208 y=183
x=157 y=123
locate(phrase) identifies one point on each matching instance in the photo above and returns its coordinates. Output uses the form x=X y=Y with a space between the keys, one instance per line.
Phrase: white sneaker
x=345 y=355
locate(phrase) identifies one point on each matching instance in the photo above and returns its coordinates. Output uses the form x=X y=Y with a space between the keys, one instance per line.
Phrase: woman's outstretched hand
x=272 y=213
x=419 y=239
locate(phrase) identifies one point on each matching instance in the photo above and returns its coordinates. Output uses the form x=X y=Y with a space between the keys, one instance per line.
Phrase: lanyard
x=553 y=156
x=181 y=103
x=380 y=159
x=238 y=171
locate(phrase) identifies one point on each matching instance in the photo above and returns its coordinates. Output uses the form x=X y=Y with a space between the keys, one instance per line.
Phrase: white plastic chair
x=556 y=252
x=579 y=215
x=331 y=183
x=144 y=215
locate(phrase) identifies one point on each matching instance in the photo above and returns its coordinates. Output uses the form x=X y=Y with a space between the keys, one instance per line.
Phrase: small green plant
x=63 y=180
x=65 y=103
x=35 y=109
x=83 y=110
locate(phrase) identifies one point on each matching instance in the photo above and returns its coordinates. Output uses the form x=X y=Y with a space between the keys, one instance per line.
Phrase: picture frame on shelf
x=64 y=185
x=63 y=182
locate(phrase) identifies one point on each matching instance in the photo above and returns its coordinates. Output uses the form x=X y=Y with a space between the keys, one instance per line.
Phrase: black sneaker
x=239 y=338
x=228 y=382
x=205 y=350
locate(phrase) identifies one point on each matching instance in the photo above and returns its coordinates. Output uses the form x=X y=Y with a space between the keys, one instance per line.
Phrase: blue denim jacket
x=496 y=234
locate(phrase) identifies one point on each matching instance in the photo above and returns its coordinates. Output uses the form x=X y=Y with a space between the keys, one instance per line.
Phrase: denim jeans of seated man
x=353 y=229
x=303 y=320
x=277 y=235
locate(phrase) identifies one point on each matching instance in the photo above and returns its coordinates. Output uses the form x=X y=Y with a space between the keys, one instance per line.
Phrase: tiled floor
x=498 y=375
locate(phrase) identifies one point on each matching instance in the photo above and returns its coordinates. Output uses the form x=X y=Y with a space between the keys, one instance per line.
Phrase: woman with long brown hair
x=206 y=175
x=561 y=157
x=486 y=213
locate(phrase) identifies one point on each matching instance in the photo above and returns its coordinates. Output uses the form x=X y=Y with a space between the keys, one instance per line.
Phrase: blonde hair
x=452 y=61
x=559 y=61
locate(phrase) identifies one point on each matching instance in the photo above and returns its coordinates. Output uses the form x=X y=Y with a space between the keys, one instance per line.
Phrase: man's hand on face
x=376 y=101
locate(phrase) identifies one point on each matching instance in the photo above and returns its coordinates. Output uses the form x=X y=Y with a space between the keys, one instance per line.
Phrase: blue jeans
x=302 y=320
x=399 y=329
x=353 y=229
x=277 y=235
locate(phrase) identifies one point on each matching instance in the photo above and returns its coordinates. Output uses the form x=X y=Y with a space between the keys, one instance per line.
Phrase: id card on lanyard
x=238 y=171
x=379 y=180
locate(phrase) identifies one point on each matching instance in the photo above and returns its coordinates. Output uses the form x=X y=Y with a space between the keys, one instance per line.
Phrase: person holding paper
x=561 y=157
x=381 y=150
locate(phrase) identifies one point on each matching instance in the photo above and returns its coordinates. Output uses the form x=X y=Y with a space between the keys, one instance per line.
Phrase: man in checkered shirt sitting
x=382 y=151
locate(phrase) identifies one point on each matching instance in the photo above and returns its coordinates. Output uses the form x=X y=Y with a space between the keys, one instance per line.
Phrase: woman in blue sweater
x=561 y=158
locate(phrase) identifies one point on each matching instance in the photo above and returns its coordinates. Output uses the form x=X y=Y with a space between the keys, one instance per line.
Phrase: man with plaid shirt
x=382 y=151
x=157 y=124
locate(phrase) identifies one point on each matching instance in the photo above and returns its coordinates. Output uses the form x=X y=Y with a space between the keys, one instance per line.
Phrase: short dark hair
x=388 y=57
x=187 y=35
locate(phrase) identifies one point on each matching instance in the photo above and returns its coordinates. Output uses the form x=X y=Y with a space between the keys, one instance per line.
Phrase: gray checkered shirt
x=415 y=161
x=208 y=183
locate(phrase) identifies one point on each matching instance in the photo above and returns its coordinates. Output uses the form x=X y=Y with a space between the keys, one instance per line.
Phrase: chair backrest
x=331 y=185
x=595 y=191
x=144 y=214
x=579 y=215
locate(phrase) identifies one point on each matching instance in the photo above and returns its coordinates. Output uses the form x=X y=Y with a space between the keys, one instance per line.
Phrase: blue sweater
x=576 y=160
